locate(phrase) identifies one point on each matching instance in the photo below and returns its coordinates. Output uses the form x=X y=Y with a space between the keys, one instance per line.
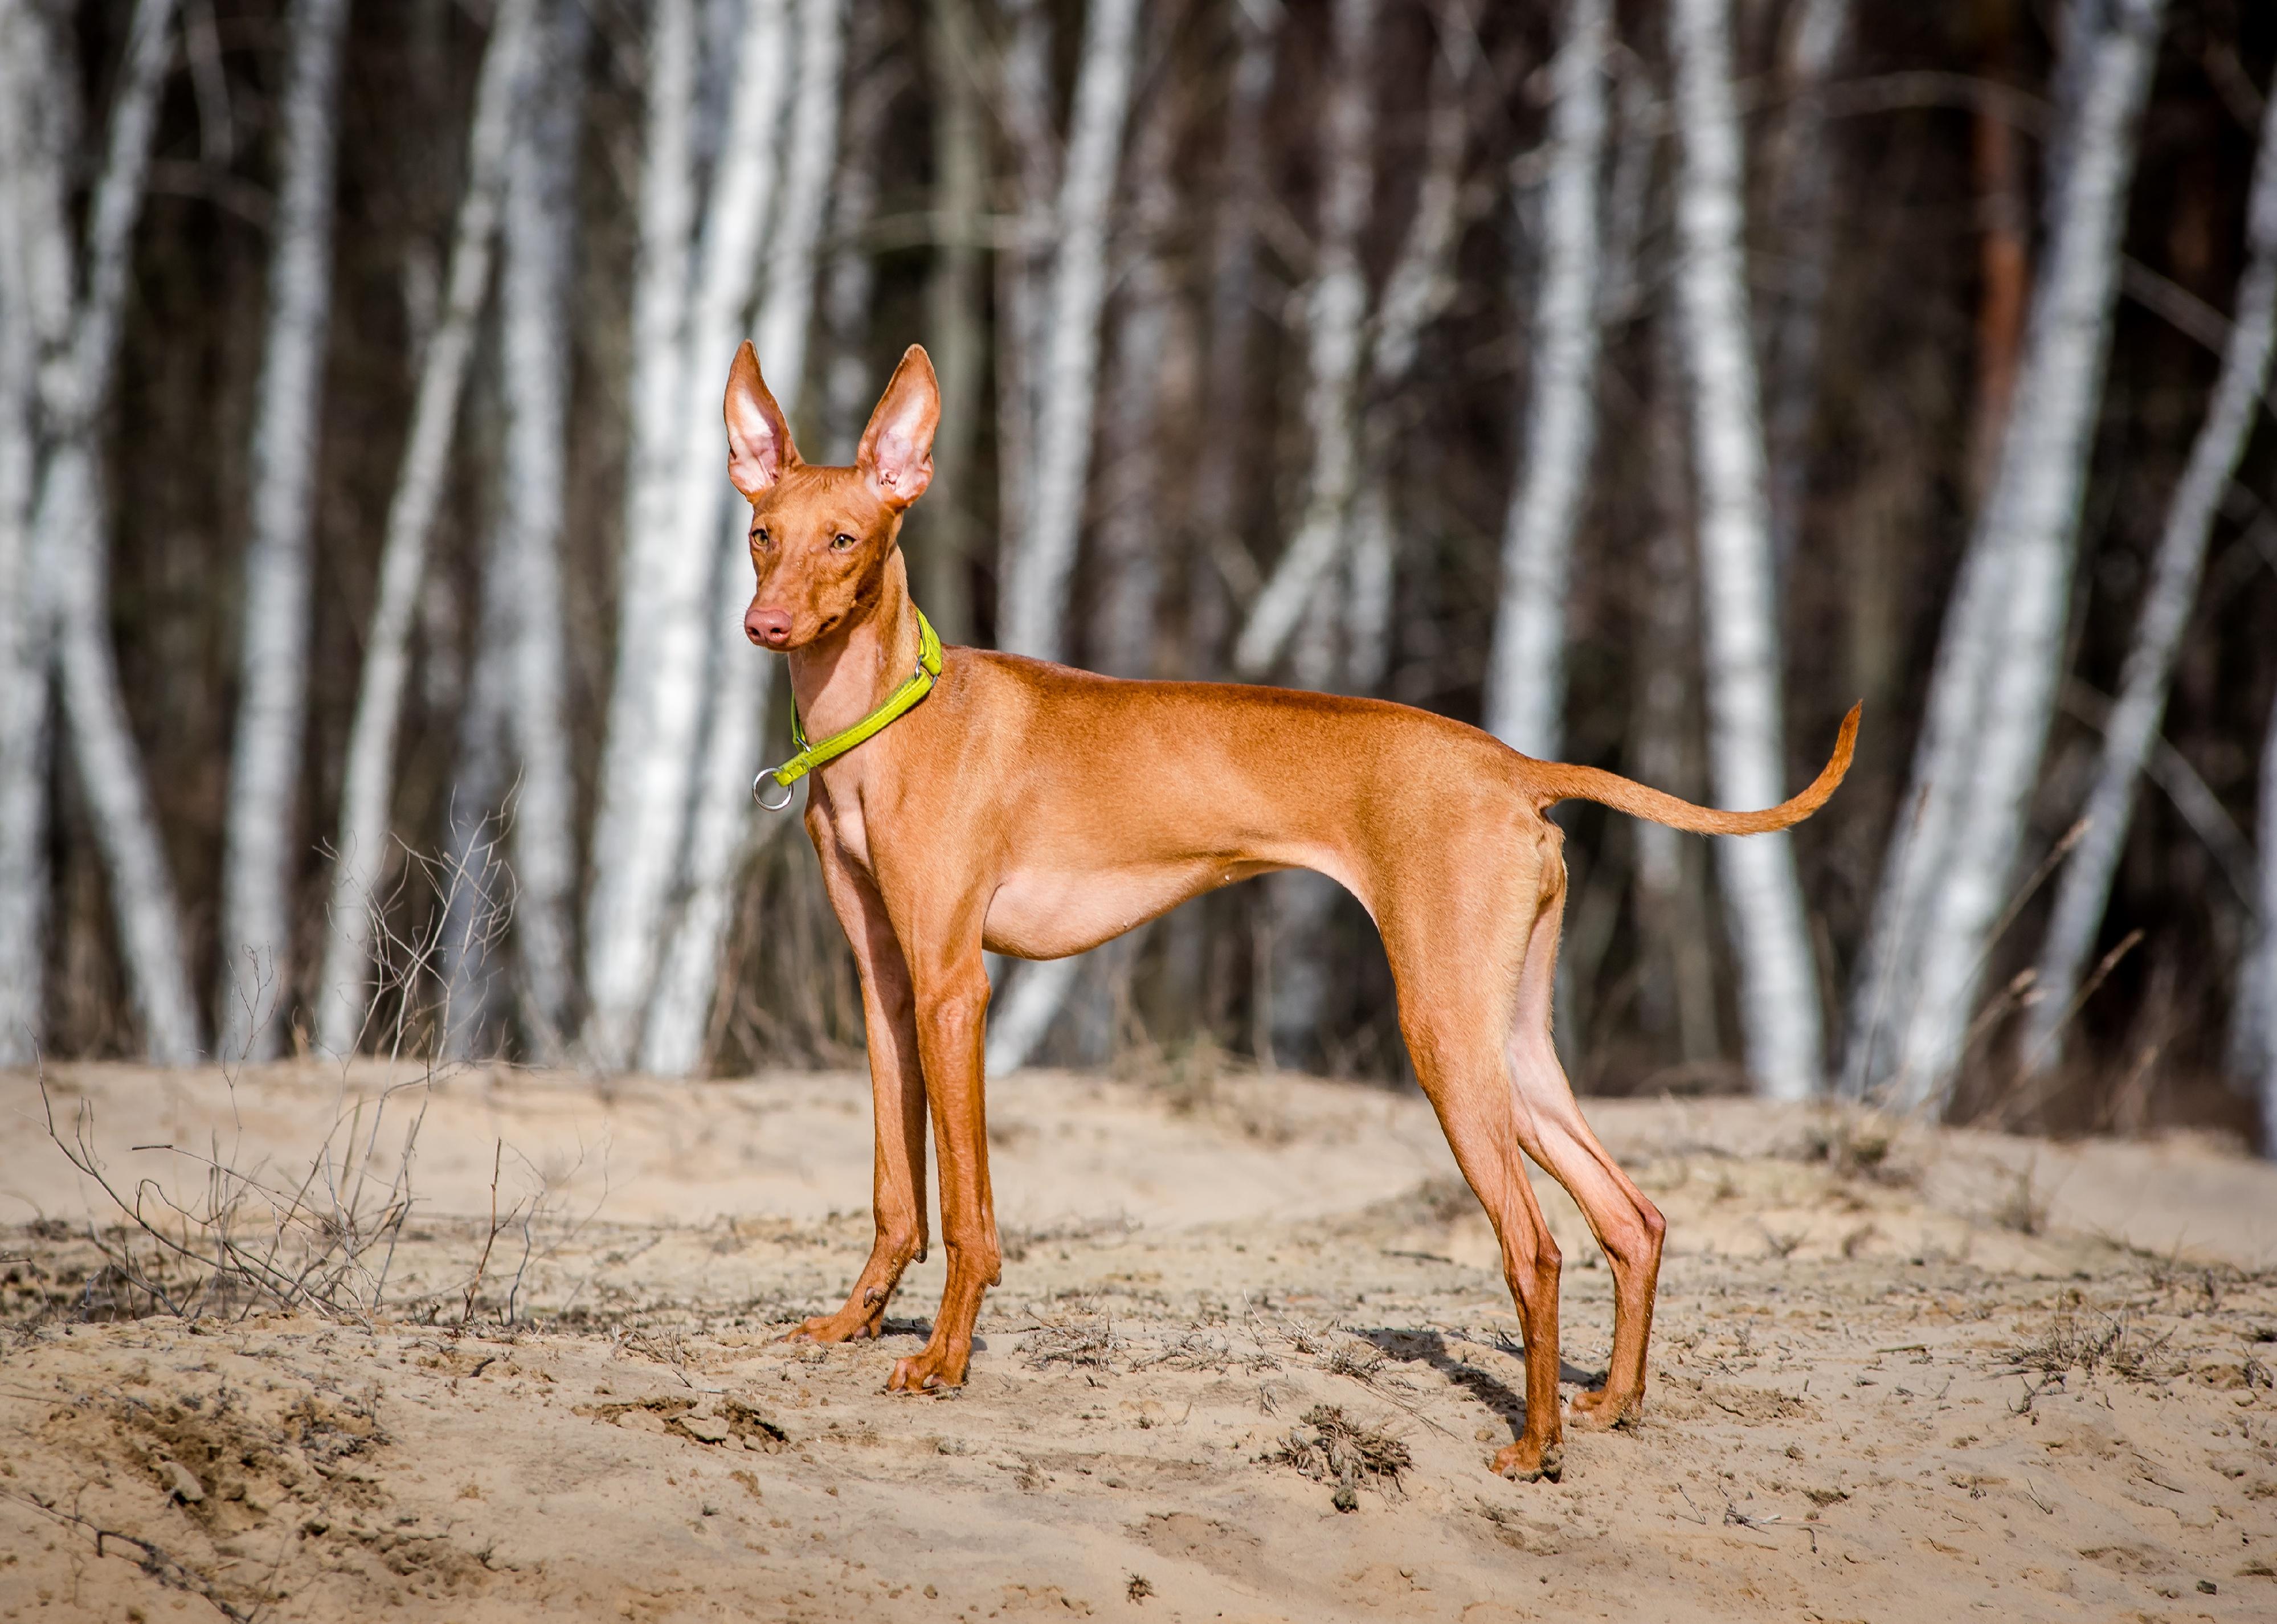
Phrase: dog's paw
x=1600 y=1409
x=1527 y=1461
x=846 y=1325
x=930 y=1370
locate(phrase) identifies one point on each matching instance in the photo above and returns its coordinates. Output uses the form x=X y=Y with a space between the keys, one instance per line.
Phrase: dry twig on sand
x=1076 y=1342
x=1332 y=1447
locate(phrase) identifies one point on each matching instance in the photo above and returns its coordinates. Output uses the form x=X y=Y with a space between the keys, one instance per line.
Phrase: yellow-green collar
x=903 y=700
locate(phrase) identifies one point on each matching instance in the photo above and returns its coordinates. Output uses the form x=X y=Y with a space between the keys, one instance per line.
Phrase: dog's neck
x=839 y=679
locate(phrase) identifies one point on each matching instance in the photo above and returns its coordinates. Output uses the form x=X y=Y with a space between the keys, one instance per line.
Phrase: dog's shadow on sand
x=1431 y=1347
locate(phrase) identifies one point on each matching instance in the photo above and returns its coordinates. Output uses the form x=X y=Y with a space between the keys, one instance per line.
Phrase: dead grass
x=2022 y=1210
x=1077 y=1343
x=318 y=1232
x=1330 y=1447
x=1858 y=1144
x=2115 y=1343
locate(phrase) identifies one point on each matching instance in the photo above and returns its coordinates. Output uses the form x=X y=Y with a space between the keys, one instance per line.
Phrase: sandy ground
x=1897 y=1375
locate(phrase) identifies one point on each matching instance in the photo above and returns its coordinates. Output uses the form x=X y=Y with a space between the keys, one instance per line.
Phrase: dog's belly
x=1044 y=914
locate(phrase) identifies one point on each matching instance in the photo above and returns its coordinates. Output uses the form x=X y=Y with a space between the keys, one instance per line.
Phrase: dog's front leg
x=896 y=1092
x=952 y=1007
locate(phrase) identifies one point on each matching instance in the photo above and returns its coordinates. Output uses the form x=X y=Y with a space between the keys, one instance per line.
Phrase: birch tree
x=1804 y=216
x=675 y=504
x=2083 y=892
x=260 y=852
x=1023 y=106
x=361 y=859
x=941 y=540
x=513 y=792
x=874 y=79
x=1040 y=557
x=1674 y=913
x=1778 y=983
x=1336 y=307
x=1345 y=640
x=634 y=834
x=1224 y=463
x=1526 y=668
x=1036 y=585
x=534 y=347
x=2254 y=1044
x=1992 y=689
x=1420 y=287
x=473 y=888
x=24 y=688
x=76 y=298
x=1133 y=504
x=721 y=824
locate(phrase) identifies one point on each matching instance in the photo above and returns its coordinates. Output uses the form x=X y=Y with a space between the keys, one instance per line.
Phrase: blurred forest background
x=1645 y=380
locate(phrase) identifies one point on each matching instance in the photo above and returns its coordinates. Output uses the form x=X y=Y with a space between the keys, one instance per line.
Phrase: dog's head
x=820 y=536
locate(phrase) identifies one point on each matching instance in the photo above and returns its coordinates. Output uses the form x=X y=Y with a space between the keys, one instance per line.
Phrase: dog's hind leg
x=1549 y=1124
x=1453 y=1009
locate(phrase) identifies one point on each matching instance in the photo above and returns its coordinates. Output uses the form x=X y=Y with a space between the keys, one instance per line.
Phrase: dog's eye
x=841 y=542
x=759 y=535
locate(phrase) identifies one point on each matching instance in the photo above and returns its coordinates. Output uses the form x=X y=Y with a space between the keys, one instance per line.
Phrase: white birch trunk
x=1804 y=219
x=1526 y=668
x=260 y=854
x=1674 y=915
x=1223 y=463
x=1778 y=983
x=1418 y=288
x=2083 y=892
x=367 y=792
x=2005 y=632
x=721 y=827
x=1336 y=307
x=2255 y=1041
x=631 y=862
x=534 y=347
x=1368 y=588
x=673 y=518
x=24 y=624
x=1133 y=505
x=1024 y=106
x=472 y=892
x=73 y=533
x=1344 y=639
x=940 y=542
x=1042 y=555
x=70 y=540
x=1134 y=510
x=872 y=83
x=1036 y=588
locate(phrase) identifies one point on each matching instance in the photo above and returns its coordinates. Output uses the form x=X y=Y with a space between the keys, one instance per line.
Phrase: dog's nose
x=768 y=627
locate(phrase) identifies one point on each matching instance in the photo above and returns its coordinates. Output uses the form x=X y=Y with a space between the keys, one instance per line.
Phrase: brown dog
x=1029 y=808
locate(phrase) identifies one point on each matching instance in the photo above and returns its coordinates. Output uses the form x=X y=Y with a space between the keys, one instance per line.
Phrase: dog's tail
x=1556 y=780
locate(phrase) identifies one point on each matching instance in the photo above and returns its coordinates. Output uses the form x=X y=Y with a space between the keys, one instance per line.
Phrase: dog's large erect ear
x=897 y=454
x=758 y=440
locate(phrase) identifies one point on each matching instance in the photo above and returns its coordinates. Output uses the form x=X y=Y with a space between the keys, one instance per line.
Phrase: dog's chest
x=846 y=828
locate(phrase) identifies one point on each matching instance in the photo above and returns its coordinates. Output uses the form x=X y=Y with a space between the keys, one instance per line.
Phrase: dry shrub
x=2124 y=1349
x=1194 y=1350
x=320 y=1237
x=1857 y=1144
x=2022 y=1210
x=1352 y=1357
x=1077 y=1343
x=1330 y=1447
